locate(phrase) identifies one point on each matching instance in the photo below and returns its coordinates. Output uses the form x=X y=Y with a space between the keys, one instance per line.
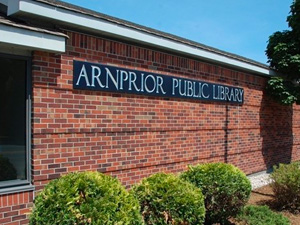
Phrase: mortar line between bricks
x=139 y=96
x=154 y=165
x=164 y=164
x=198 y=158
x=230 y=154
x=149 y=131
x=157 y=165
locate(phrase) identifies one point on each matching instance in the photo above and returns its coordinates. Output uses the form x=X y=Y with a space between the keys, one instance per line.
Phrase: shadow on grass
x=277 y=207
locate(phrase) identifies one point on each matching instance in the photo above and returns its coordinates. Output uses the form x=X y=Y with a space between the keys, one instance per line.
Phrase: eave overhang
x=71 y=16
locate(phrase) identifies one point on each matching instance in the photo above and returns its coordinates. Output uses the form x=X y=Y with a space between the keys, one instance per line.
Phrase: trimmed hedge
x=225 y=187
x=166 y=199
x=85 y=198
x=286 y=185
x=262 y=215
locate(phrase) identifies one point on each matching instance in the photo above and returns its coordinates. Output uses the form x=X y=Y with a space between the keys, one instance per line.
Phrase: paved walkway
x=259 y=179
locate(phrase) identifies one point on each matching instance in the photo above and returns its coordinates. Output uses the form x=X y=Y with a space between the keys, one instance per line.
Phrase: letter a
x=83 y=74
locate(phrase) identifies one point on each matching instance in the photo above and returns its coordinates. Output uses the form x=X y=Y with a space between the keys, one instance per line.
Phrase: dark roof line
x=21 y=24
x=74 y=8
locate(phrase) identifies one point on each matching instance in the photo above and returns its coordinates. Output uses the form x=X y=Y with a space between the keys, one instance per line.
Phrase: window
x=14 y=121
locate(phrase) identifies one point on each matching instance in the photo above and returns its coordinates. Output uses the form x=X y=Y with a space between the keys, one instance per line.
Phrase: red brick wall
x=14 y=208
x=132 y=136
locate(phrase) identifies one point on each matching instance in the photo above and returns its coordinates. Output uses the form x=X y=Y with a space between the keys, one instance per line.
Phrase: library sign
x=98 y=77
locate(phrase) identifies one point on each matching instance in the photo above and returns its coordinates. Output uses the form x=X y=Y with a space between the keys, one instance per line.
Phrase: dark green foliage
x=283 y=52
x=85 y=198
x=225 y=187
x=294 y=18
x=283 y=91
x=262 y=215
x=7 y=170
x=286 y=185
x=166 y=199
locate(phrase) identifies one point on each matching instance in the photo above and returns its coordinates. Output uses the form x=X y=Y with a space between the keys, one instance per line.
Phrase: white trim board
x=31 y=39
x=69 y=17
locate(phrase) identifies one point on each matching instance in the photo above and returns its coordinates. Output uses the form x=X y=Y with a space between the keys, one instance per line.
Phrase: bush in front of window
x=286 y=186
x=8 y=171
x=166 y=199
x=85 y=198
x=225 y=187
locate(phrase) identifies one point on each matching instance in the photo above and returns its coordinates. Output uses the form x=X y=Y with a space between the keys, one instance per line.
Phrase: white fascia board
x=31 y=39
x=101 y=26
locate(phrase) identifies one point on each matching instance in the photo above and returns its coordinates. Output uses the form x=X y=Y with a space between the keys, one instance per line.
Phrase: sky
x=241 y=27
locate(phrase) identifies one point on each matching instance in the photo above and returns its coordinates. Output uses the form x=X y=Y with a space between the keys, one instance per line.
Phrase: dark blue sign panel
x=98 y=77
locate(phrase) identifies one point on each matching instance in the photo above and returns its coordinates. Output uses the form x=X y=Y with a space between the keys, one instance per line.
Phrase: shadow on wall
x=276 y=130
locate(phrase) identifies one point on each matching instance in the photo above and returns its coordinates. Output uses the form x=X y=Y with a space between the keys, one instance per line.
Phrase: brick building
x=84 y=91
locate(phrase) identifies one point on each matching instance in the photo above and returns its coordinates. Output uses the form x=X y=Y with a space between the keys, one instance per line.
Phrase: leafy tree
x=283 y=51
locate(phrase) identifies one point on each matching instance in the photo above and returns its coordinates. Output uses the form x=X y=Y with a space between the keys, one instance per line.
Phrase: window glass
x=12 y=119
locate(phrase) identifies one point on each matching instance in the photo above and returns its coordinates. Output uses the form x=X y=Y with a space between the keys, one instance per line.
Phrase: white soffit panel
x=31 y=39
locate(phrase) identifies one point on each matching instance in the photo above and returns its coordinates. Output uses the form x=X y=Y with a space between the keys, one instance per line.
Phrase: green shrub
x=166 y=199
x=286 y=185
x=262 y=215
x=85 y=198
x=225 y=187
x=8 y=171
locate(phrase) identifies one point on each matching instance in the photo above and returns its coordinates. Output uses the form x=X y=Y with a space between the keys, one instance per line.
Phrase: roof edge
x=31 y=39
x=73 y=15
x=71 y=7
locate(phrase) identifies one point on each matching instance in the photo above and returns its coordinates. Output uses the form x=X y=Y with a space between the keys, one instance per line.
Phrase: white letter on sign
x=83 y=74
x=96 y=77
